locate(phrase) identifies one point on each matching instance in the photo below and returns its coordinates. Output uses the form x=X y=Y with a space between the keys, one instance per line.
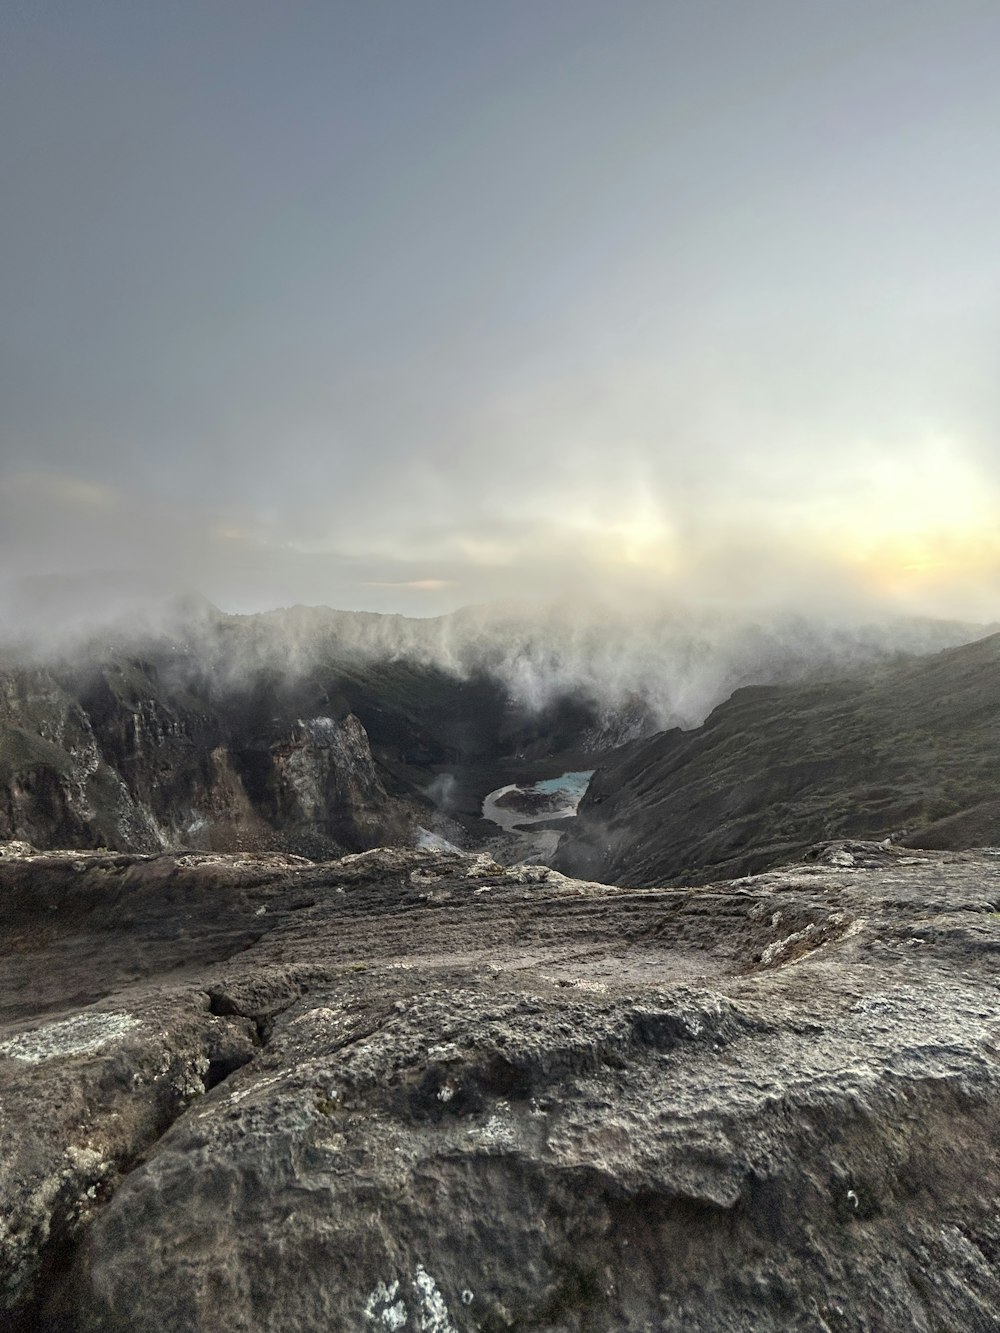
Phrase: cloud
x=911 y=529
x=493 y=306
x=415 y=585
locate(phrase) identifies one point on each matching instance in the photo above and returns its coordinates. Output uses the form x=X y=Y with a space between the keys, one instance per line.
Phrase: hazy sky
x=413 y=304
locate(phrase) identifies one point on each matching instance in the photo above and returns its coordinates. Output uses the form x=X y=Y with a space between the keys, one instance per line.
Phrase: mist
x=639 y=665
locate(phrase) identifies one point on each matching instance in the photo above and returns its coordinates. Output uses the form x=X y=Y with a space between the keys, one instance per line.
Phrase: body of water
x=564 y=792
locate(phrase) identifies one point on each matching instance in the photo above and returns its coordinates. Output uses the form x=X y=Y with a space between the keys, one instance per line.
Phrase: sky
x=411 y=304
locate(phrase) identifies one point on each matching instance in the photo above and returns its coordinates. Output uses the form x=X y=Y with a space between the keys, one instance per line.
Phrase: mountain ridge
x=895 y=754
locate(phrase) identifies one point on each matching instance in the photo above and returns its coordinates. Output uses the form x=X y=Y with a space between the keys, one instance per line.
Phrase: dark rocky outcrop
x=56 y=787
x=413 y=1090
x=160 y=745
x=114 y=757
x=910 y=752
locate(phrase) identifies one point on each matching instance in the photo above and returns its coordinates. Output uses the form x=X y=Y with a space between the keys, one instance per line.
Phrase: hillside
x=909 y=751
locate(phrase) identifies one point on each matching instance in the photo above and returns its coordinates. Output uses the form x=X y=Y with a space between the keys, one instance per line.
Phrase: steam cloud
x=642 y=667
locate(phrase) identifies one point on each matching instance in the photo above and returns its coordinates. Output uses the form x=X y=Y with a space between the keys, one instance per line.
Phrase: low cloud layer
x=905 y=531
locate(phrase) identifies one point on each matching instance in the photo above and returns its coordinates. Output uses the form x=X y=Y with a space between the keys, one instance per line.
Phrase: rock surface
x=910 y=751
x=416 y=1091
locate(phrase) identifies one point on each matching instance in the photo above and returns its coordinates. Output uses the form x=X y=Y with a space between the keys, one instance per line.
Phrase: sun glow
x=929 y=526
x=945 y=565
x=638 y=536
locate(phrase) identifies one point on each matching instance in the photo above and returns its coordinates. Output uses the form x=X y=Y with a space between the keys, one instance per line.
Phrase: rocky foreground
x=418 y=1091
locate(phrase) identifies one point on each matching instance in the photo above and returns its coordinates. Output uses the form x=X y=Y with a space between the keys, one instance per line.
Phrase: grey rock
x=415 y=1090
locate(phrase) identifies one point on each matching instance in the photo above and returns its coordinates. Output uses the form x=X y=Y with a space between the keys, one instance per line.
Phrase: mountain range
x=316 y=731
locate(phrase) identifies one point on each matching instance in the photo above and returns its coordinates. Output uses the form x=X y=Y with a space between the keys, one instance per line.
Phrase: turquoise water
x=538 y=844
x=573 y=784
x=569 y=786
